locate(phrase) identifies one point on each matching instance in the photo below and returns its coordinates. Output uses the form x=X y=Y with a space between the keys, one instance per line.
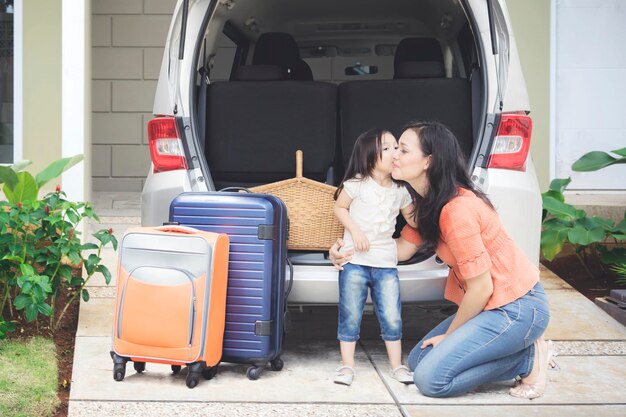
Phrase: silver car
x=246 y=83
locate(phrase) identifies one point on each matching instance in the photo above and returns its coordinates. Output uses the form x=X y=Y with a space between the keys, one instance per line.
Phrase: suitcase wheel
x=277 y=364
x=139 y=366
x=119 y=370
x=195 y=370
x=192 y=380
x=254 y=372
x=176 y=369
x=209 y=373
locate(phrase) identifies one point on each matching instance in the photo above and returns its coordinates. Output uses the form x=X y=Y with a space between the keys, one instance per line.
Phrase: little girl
x=367 y=204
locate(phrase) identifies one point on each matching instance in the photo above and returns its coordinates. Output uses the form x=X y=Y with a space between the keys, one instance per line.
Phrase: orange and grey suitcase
x=171 y=300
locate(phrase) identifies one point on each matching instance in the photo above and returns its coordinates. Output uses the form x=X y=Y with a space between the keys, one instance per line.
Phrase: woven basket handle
x=298 y=163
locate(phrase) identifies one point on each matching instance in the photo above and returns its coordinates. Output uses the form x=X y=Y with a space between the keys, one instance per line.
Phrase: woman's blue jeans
x=496 y=345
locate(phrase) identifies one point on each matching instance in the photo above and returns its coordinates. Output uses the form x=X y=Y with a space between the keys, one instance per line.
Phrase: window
x=6 y=82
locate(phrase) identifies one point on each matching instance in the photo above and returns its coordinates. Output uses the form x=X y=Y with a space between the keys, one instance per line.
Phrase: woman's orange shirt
x=473 y=241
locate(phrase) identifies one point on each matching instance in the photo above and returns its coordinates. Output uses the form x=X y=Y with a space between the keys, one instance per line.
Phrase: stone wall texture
x=127 y=48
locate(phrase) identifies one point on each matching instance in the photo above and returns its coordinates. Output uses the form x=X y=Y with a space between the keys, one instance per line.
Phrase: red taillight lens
x=512 y=142
x=166 y=148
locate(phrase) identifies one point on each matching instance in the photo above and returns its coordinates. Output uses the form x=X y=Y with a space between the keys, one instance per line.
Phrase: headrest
x=275 y=48
x=258 y=73
x=417 y=49
x=420 y=69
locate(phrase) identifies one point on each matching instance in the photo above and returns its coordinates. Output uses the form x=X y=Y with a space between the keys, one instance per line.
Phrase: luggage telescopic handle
x=177 y=229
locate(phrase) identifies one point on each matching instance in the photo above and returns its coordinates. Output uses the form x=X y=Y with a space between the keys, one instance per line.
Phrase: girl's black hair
x=446 y=173
x=365 y=154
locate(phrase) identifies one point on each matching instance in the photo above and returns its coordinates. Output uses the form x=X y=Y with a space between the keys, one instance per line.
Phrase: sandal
x=402 y=374
x=344 y=375
x=545 y=358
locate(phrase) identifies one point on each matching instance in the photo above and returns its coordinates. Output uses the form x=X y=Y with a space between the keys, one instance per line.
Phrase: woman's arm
x=406 y=249
x=407 y=214
x=479 y=290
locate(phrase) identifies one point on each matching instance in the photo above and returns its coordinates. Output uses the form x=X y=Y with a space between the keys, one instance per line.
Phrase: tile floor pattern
x=588 y=381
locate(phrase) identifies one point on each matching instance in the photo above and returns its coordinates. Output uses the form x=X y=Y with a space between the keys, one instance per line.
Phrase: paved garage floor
x=588 y=380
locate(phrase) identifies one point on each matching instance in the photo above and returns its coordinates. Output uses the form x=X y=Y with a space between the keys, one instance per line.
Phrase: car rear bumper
x=422 y=282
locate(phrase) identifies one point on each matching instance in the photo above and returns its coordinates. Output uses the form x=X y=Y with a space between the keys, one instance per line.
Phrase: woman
x=497 y=332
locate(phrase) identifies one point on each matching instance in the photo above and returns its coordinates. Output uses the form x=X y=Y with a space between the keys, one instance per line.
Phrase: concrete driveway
x=589 y=379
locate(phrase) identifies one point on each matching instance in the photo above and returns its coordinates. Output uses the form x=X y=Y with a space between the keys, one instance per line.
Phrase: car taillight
x=512 y=142
x=166 y=148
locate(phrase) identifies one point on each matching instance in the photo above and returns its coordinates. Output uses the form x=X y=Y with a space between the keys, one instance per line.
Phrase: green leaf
x=57 y=168
x=595 y=160
x=92 y=259
x=594 y=222
x=554 y=194
x=552 y=243
x=26 y=287
x=44 y=309
x=105 y=273
x=557 y=209
x=620 y=152
x=8 y=176
x=13 y=258
x=66 y=272
x=31 y=312
x=614 y=256
x=76 y=282
x=559 y=184
x=621 y=226
x=114 y=242
x=21 y=301
x=89 y=246
x=6 y=326
x=75 y=257
x=85 y=294
x=579 y=235
x=24 y=189
x=19 y=166
x=73 y=217
x=27 y=269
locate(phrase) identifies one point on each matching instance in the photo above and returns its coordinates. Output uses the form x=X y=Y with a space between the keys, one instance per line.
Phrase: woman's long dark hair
x=365 y=153
x=446 y=173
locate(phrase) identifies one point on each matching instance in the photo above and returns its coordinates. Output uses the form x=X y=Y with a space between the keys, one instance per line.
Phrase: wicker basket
x=312 y=223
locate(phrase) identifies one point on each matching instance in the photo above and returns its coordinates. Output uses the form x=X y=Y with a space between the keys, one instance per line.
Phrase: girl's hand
x=338 y=258
x=361 y=242
x=433 y=341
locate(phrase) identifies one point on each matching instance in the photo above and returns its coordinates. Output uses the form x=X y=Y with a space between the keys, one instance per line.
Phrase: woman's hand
x=338 y=258
x=433 y=341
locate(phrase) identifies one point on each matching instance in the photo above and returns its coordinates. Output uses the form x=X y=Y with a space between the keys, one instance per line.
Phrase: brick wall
x=127 y=48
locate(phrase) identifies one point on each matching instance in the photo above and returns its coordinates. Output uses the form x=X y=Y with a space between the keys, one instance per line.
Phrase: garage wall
x=41 y=83
x=533 y=43
x=127 y=48
x=590 y=89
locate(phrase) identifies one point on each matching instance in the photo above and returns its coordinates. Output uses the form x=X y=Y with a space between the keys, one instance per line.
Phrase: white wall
x=590 y=77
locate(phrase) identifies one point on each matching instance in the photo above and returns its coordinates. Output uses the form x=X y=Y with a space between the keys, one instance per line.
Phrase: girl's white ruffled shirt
x=374 y=209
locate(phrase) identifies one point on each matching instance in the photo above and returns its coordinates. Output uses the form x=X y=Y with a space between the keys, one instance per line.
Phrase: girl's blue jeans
x=496 y=345
x=354 y=283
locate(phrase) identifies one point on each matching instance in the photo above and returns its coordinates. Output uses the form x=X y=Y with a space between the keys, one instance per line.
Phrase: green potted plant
x=41 y=253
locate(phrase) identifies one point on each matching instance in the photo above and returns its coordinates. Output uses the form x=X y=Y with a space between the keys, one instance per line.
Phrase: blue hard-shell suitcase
x=257 y=226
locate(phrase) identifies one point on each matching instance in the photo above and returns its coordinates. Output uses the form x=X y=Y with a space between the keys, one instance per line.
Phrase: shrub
x=41 y=247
